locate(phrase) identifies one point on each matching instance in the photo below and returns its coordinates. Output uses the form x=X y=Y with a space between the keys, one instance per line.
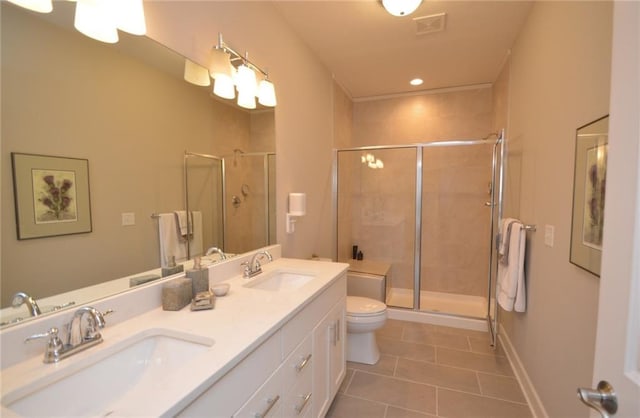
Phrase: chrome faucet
x=253 y=267
x=213 y=250
x=22 y=298
x=78 y=338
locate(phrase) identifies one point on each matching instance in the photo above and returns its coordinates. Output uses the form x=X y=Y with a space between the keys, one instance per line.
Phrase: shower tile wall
x=463 y=114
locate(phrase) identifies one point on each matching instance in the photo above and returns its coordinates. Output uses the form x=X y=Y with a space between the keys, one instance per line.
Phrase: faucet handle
x=54 y=345
x=95 y=322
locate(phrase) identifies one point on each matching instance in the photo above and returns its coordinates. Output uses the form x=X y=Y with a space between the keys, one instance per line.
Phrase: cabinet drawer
x=229 y=393
x=296 y=369
x=267 y=401
x=298 y=399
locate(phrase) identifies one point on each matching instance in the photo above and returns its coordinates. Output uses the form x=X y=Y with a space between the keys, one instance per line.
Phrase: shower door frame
x=187 y=155
x=497 y=184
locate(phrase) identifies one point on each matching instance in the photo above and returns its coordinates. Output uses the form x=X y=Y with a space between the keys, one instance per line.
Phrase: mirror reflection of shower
x=236 y=196
x=250 y=200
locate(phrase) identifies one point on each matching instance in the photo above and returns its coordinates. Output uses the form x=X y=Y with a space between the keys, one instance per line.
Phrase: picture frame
x=589 y=185
x=51 y=195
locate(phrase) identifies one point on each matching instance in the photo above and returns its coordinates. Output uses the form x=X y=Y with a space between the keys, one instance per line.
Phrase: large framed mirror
x=127 y=110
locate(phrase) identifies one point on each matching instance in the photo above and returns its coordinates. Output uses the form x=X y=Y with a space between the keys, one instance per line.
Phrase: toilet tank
x=366 y=285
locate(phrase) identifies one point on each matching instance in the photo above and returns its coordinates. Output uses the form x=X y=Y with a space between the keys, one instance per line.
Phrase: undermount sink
x=280 y=280
x=93 y=385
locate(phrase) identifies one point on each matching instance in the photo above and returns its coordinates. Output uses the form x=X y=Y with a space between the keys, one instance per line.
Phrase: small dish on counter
x=220 y=289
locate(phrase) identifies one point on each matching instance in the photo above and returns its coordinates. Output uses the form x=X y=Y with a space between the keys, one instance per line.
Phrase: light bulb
x=266 y=93
x=246 y=99
x=223 y=87
x=129 y=16
x=246 y=80
x=94 y=18
x=219 y=63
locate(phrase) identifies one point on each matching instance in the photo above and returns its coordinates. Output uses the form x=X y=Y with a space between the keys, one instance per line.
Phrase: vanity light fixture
x=401 y=7
x=297 y=207
x=228 y=69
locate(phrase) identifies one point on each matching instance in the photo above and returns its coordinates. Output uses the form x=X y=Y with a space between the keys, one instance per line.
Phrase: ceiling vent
x=430 y=24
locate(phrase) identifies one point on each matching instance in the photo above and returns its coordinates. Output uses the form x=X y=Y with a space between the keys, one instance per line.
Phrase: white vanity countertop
x=240 y=322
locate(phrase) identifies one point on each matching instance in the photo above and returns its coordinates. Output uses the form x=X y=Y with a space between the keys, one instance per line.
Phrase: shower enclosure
x=236 y=196
x=430 y=210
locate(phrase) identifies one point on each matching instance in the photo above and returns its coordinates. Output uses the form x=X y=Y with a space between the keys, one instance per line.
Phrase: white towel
x=170 y=244
x=505 y=236
x=511 y=288
x=184 y=224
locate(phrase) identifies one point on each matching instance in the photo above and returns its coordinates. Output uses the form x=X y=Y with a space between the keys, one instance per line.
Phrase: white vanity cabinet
x=329 y=367
x=296 y=372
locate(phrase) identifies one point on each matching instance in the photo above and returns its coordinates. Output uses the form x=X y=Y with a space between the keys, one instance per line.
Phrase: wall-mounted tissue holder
x=297 y=207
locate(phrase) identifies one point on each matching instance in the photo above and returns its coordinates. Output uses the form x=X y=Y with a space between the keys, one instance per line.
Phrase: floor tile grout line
x=486 y=396
x=437 y=386
x=437 y=363
x=387 y=405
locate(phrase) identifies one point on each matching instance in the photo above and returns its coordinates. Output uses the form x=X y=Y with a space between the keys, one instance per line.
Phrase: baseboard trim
x=529 y=391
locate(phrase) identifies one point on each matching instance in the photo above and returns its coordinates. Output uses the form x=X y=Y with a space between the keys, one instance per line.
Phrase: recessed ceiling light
x=416 y=82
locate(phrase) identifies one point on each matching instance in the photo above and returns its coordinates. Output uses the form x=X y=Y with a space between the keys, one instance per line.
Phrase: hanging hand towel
x=170 y=244
x=195 y=243
x=505 y=236
x=511 y=288
x=184 y=224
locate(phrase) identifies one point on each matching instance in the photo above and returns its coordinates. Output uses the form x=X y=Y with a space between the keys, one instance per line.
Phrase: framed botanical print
x=51 y=195
x=589 y=186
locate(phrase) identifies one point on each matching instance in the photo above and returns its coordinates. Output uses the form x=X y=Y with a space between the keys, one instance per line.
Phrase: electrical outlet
x=128 y=219
x=549 y=231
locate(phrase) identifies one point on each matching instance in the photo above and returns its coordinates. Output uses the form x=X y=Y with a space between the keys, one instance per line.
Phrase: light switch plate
x=128 y=219
x=549 y=231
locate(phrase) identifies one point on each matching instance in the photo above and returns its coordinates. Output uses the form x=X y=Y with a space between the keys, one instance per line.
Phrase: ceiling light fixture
x=401 y=7
x=416 y=82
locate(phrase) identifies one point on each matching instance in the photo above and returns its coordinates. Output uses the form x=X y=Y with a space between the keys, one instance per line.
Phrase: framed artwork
x=51 y=195
x=589 y=186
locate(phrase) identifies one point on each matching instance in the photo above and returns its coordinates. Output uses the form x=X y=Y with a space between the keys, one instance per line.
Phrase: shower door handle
x=487 y=203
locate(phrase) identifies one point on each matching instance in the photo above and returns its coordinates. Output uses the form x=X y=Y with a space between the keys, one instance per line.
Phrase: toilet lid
x=360 y=306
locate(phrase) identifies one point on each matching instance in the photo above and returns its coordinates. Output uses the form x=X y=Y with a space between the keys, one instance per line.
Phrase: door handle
x=603 y=399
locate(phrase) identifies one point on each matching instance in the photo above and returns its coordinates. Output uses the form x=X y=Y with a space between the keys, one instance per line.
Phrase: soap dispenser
x=171 y=267
x=199 y=277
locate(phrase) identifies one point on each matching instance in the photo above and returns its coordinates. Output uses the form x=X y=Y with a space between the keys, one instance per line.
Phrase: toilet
x=364 y=316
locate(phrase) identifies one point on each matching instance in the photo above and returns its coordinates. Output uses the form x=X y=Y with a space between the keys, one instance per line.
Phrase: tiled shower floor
x=431 y=371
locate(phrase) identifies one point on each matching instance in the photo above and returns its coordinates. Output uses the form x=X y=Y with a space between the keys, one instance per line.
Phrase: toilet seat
x=364 y=307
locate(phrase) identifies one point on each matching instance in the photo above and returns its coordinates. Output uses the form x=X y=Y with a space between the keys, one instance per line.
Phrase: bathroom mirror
x=126 y=109
x=590 y=176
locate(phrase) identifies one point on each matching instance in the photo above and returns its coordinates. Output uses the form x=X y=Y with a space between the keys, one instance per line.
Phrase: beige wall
x=559 y=81
x=304 y=87
x=134 y=142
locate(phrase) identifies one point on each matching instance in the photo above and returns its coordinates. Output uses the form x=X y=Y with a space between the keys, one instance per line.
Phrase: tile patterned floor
x=431 y=371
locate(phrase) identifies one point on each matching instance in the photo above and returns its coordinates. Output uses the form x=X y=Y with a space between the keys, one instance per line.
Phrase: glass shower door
x=455 y=244
x=376 y=210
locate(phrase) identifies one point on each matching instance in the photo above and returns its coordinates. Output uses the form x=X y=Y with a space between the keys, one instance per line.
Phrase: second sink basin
x=94 y=386
x=280 y=280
